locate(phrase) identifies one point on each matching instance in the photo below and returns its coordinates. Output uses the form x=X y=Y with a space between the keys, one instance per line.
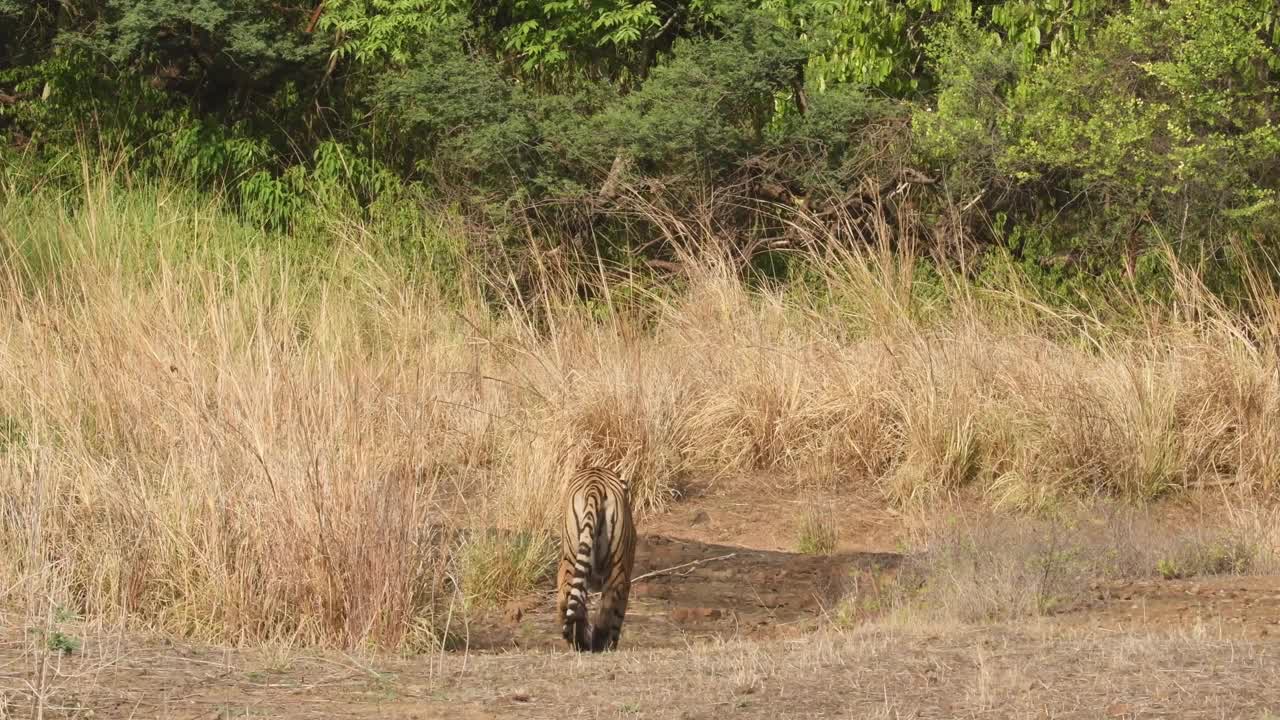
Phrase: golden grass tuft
x=817 y=532
x=497 y=567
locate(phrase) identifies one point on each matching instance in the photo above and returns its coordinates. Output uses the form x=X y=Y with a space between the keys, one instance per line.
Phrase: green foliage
x=832 y=131
x=555 y=44
x=62 y=643
x=57 y=641
x=710 y=104
x=883 y=43
x=1055 y=26
x=460 y=113
x=859 y=42
x=377 y=31
x=1170 y=111
x=545 y=36
x=1159 y=128
x=1069 y=136
x=701 y=113
x=203 y=38
x=961 y=132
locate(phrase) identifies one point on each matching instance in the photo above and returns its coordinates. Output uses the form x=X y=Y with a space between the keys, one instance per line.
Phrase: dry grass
x=240 y=441
x=493 y=567
x=1248 y=542
x=978 y=567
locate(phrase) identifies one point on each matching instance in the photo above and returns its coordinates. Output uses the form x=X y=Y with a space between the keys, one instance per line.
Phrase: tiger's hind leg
x=613 y=609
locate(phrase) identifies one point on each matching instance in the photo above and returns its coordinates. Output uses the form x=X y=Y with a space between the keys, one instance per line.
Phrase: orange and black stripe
x=597 y=552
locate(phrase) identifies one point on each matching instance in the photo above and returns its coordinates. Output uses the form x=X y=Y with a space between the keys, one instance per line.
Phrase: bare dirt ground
x=723 y=623
x=1032 y=670
x=1225 y=607
x=690 y=592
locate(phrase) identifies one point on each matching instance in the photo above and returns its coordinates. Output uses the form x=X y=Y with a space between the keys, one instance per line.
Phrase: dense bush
x=1074 y=134
x=1165 y=123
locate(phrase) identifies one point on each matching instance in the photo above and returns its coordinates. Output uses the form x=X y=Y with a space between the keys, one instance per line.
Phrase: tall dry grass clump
x=218 y=456
x=240 y=436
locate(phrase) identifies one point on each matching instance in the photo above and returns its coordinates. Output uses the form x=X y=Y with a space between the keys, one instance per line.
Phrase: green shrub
x=817 y=533
x=1070 y=138
x=495 y=567
x=1164 y=121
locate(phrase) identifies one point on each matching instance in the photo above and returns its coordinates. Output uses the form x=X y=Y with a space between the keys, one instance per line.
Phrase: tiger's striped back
x=597 y=551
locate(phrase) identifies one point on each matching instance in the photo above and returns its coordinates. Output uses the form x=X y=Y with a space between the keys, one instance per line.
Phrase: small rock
x=692 y=614
x=521 y=696
x=770 y=600
x=648 y=589
x=513 y=612
x=700 y=517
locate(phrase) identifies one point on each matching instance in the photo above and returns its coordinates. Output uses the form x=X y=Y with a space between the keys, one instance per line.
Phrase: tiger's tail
x=577 y=629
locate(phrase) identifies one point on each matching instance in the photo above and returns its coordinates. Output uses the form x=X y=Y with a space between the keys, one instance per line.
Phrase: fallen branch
x=664 y=571
x=655 y=573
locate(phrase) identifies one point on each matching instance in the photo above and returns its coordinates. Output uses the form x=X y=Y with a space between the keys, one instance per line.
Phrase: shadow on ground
x=687 y=591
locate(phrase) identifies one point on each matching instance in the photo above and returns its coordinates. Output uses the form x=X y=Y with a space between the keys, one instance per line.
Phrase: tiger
x=597 y=552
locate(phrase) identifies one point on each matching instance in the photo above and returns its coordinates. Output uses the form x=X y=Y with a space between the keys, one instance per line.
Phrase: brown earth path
x=1031 y=670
